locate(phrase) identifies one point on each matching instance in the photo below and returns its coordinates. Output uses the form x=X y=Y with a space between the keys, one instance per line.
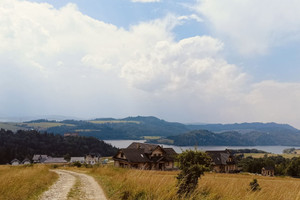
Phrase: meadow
x=25 y=182
x=119 y=183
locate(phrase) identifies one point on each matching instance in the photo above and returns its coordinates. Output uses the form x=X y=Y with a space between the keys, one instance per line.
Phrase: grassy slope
x=159 y=185
x=21 y=182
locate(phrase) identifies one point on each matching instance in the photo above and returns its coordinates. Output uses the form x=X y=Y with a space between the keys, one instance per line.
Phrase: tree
x=254 y=186
x=193 y=164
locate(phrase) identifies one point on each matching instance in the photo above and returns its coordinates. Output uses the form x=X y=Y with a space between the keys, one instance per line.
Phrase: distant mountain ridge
x=169 y=132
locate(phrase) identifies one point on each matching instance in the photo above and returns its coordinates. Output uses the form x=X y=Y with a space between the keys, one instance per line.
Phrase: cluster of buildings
x=155 y=157
x=92 y=158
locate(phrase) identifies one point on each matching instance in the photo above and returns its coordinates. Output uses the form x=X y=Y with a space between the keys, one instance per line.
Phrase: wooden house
x=145 y=156
x=267 y=171
x=222 y=161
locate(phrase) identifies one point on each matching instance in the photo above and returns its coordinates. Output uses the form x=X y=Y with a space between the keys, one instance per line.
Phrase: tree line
x=282 y=166
x=25 y=143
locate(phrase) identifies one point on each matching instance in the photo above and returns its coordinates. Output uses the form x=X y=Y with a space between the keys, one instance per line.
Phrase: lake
x=178 y=149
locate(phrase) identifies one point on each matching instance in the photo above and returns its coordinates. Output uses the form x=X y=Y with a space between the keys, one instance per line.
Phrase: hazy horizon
x=192 y=61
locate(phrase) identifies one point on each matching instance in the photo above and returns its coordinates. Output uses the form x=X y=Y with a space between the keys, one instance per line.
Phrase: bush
x=254 y=186
x=192 y=165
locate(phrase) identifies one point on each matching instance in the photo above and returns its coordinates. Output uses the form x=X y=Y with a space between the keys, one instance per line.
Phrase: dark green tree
x=193 y=164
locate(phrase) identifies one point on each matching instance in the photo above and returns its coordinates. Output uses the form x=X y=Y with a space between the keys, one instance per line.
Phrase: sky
x=191 y=61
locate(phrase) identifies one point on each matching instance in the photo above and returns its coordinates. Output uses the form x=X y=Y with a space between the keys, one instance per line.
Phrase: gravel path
x=87 y=186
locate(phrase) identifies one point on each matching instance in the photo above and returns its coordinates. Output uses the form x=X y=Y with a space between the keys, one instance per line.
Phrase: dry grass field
x=136 y=184
x=24 y=182
x=261 y=155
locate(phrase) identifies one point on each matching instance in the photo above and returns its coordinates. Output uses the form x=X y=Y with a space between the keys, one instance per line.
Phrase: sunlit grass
x=121 y=183
x=24 y=182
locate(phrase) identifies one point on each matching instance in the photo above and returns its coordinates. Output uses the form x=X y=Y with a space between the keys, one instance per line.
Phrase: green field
x=45 y=125
x=10 y=126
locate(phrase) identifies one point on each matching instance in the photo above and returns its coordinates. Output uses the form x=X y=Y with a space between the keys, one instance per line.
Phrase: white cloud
x=59 y=61
x=253 y=26
x=145 y=1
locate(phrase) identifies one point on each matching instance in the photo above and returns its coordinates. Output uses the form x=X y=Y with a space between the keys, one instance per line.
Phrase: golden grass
x=260 y=155
x=137 y=184
x=24 y=182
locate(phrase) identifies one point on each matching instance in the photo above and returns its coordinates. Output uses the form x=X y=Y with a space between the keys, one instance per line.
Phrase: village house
x=37 y=158
x=146 y=157
x=267 y=171
x=222 y=161
x=15 y=162
x=92 y=158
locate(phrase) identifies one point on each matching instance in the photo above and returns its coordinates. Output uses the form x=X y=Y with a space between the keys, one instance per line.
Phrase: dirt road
x=74 y=186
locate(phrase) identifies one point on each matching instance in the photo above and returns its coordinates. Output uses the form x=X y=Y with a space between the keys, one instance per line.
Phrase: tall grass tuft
x=24 y=182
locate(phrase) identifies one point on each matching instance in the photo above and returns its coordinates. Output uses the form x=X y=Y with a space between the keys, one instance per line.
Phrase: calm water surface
x=178 y=149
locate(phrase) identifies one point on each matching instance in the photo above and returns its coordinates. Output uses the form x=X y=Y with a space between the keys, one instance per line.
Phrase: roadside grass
x=25 y=182
x=119 y=183
x=261 y=155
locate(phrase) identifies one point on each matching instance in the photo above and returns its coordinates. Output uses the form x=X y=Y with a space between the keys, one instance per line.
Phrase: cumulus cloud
x=253 y=26
x=60 y=61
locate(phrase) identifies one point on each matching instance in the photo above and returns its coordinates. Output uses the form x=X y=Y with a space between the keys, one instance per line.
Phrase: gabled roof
x=26 y=160
x=148 y=148
x=15 y=160
x=135 y=155
x=170 y=154
x=220 y=157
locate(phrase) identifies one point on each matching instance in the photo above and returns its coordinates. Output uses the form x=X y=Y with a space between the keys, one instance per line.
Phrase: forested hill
x=138 y=127
x=232 y=138
x=245 y=127
x=105 y=128
x=24 y=144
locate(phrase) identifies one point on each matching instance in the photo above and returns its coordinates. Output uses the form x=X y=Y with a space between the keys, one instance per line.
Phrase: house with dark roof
x=222 y=161
x=267 y=171
x=145 y=156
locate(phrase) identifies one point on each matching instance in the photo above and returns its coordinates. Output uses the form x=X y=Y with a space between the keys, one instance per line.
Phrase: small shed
x=267 y=171
x=15 y=162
